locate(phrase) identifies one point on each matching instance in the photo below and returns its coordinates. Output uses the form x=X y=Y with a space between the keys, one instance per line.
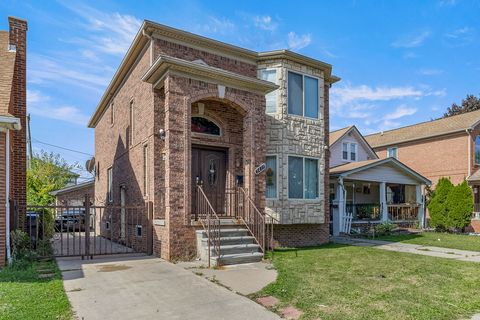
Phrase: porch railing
x=403 y=212
x=253 y=219
x=364 y=211
x=209 y=221
x=476 y=211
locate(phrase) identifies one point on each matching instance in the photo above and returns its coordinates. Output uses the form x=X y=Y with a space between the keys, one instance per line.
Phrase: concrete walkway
x=141 y=287
x=462 y=255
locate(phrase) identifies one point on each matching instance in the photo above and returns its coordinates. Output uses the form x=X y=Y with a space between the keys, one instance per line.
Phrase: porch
x=375 y=191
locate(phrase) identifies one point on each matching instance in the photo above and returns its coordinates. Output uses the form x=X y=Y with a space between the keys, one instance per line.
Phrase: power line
x=59 y=147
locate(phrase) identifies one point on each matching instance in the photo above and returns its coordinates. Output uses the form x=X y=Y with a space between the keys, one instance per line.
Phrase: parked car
x=70 y=221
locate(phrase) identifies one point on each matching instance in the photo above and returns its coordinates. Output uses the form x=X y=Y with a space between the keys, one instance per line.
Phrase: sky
x=401 y=62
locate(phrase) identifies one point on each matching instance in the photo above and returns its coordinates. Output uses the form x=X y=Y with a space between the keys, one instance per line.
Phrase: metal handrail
x=206 y=220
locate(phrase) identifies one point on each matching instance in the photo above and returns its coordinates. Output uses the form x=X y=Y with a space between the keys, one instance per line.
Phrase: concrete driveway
x=141 y=287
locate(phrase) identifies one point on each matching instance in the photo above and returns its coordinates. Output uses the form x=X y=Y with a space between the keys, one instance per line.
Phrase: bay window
x=302 y=178
x=271 y=177
x=271 y=97
x=302 y=95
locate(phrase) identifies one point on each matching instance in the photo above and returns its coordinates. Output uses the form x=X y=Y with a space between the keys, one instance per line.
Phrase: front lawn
x=348 y=282
x=25 y=295
x=437 y=239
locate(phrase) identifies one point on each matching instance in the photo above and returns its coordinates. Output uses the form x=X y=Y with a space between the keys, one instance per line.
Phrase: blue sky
x=399 y=64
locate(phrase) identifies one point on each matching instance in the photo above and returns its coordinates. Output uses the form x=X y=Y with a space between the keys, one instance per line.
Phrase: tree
x=48 y=172
x=459 y=204
x=470 y=103
x=437 y=208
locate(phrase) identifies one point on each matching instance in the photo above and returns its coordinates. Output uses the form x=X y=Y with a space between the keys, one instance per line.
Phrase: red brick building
x=12 y=128
x=184 y=111
x=74 y=195
x=448 y=147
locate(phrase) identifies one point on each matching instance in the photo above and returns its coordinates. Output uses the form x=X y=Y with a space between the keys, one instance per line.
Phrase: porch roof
x=156 y=74
x=355 y=167
x=474 y=177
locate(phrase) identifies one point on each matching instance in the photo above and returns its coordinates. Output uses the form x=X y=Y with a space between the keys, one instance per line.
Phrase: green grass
x=437 y=239
x=24 y=296
x=348 y=282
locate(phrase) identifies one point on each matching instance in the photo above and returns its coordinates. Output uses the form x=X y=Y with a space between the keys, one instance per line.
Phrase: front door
x=209 y=169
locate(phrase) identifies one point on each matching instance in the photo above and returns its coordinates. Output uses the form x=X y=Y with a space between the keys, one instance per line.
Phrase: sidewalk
x=462 y=255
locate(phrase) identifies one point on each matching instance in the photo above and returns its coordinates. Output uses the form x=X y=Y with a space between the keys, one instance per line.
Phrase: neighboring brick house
x=184 y=110
x=13 y=164
x=74 y=195
x=447 y=147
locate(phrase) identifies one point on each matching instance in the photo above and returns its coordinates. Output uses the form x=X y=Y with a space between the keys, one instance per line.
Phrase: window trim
x=303 y=90
x=206 y=134
x=396 y=152
x=138 y=227
x=277 y=176
x=110 y=185
x=355 y=148
x=112 y=114
x=349 y=151
x=275 y=91
x=131 y=123
x=343 y=151
x=146 y=171
x=303 y=175
x=477 y=137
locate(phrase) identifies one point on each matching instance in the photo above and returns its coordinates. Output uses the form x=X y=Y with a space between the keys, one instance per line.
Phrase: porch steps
x=237 y=246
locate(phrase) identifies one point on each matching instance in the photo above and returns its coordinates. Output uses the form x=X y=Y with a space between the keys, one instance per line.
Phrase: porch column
x=339 y=212
x=383 y=201
x=421 y=208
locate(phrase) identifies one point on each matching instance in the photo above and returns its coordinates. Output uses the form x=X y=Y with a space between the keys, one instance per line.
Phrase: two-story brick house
x=447 y=147
x=187 y=120
x=13 y=105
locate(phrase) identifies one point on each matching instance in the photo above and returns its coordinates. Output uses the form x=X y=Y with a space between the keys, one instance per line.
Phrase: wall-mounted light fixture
x=161 y=133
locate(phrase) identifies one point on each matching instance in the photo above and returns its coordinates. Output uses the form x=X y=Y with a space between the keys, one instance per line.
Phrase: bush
x=385 y=228
x=21 y=250
x=459 y=204
x=437 y=207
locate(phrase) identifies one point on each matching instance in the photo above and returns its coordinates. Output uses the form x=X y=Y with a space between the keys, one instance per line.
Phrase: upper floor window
x=477 y=150
x=131 y=122
x=112 y=113
x=270 y=98
x=205 y=126
x=302 y=95
x=392 y=152
x=302 y=178
x=349 y=151
x=145 y=170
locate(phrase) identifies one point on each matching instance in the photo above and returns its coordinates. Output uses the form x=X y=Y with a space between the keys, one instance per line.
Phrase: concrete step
x=237 y=249
x=229 y=259
x=227 y=232
x=233 y=240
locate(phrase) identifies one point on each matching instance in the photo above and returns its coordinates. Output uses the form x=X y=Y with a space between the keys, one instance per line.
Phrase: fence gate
x=86 y=231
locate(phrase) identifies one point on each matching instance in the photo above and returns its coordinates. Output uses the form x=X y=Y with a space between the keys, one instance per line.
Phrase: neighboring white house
x=365 y=190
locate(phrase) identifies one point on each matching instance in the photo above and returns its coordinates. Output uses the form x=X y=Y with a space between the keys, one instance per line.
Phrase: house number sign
x=260 y=168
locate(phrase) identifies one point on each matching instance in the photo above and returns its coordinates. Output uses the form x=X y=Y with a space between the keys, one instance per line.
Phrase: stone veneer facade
x=239 y=110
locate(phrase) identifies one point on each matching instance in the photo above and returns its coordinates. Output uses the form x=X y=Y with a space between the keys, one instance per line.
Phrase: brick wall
x=76 y=197
x=300 y=235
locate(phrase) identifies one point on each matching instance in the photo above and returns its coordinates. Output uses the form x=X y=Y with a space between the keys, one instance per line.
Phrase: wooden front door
x=209 y=169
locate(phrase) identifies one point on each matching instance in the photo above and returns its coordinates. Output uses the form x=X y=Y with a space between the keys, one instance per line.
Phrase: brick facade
x=162 y=120
x=75 y=195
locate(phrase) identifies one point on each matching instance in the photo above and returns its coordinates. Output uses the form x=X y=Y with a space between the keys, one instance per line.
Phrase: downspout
x=7 y=193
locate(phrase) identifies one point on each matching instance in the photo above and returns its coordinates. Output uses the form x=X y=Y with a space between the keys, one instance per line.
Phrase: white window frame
x=303 y=175
x=396 y=152
x=349 y=151
x=275 y=91
x=110 y=184
x=353 y=150
x=277 y=176
x=138 y=227
x=303 y=90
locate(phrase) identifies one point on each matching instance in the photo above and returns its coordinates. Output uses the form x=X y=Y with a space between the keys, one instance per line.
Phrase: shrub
x=459 y=204
x=385 y=228
x=21 y=250
x=437 y=206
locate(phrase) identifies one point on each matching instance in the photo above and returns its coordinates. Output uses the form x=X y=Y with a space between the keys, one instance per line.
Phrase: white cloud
x=297 y=42
x=430 y=72
x=401 y=111
x=265 y=23
x=447 y=3
x=460 y=36
x=412 y=40
x=217 y=25
x=42 y=105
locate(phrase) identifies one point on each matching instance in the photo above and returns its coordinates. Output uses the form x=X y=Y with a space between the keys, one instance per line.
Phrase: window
x=145 y=170
x=205 y=126
x=353 y=151
x=477 y=150
x=270 y=98
x=302 y=95
x=349 y=151
x=302 y=178
x=110 y=184
x=271 y=177
x=131 y=123
x=345 y=151
x=138 y=230
x=392 y=152
x=112 y=113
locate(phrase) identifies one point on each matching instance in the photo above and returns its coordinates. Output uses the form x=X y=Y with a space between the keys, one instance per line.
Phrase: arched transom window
x=205 y=126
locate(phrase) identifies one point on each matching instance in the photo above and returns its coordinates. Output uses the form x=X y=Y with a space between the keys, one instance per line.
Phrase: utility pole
x=29 y=142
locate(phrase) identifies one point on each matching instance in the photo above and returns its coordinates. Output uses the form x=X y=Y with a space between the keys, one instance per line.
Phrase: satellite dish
x=90 y=165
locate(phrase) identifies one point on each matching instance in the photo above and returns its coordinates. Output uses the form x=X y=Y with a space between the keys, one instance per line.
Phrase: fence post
x=87 y=227
x=149 y=207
